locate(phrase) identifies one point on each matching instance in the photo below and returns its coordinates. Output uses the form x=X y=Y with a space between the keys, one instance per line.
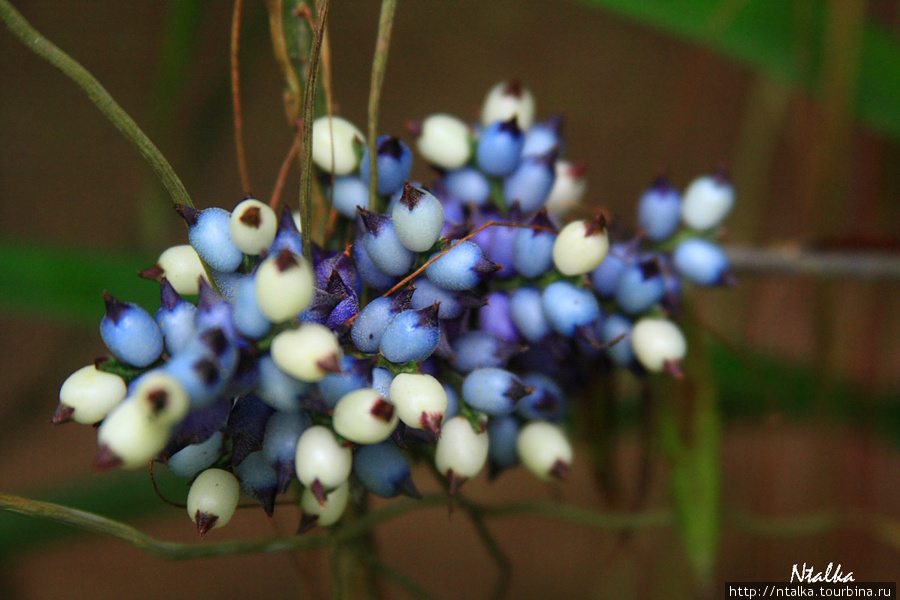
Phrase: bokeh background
x=808 y=369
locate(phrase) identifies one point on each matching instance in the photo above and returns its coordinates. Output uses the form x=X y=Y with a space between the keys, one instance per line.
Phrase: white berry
x=91 y=394
x=706 y=202
x=253 y=226
x=445 y=141
x=285 y=285
x=656 y=342
x=461 y=449
x=580 y=247
x=320 y=457
x=335 y=503
x=364 y=416
x=420 y=400
x=307 y=353
x=509 y=99
x=183 y=269
x=544 y=450
x=336 y=145
x=214 y=497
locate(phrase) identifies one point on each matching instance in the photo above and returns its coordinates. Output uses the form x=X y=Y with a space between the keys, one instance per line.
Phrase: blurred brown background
x=637 y=103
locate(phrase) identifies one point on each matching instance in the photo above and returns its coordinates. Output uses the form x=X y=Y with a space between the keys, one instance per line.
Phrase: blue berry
x=533 y=248
x=394 y=164
x=383 y=470
x=527 y=314
x=411 y=335
x=499 y=148
x=502 y=433
x=349 y=192
x=418 y=219
x=209 y=232
x=544 y=137
x=640 y=286
x=493 y=391
x=462 y=268
x=701 y=262
x=130 y=332
x=659 y=210
x=384 y=246
x=467 y=185
x=531 y=182
x=569 y=308
x=175 y=317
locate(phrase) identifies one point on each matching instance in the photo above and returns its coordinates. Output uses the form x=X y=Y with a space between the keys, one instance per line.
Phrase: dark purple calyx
x=286 y=472
x=383 y=410
x=454 y=482
x=62 y=414
x=596 y=226
x=207 y=371
x=555 y=123
x=247 y=426
x=560 y=470
x=411 y=196
x=372 y=222
x=286 y=222
x=205 y=522
x=428 y=316
x=650 y=268
x=432 y=422
x=661 y=184
x=511 y=126
x=114 y=308
x=153 y=273
x=542 y=223
x=390 y=146
x=216 y=340
x=577 y=170
x=158 y=399
x=307 y=522
x=285 y=260
x=330 y=363
x=318 y=491
x=513 y=88
x=106 y=459
x=189 y=214
x=516 y=390
x=402 y=300
x=485 y=266
x=251 y=217
x=168 y=297
x=406 y=487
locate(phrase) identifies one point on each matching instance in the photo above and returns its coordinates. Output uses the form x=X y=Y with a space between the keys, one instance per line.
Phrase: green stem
x=45 y=49
x=379 y=66
x=492 y=546
x=309 y=107
x=383 y=569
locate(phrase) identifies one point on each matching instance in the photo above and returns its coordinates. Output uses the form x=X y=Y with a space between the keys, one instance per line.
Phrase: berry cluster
x=451 y=326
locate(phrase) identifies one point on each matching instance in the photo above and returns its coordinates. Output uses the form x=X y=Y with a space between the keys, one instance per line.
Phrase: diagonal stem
x=44 y=48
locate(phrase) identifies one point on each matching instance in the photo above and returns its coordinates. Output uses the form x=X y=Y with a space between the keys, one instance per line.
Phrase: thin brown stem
x=379 y=66
x=236 y=97
x=284 y=170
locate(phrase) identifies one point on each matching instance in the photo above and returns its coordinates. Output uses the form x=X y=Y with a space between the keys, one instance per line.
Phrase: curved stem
x=236 y=97
x=379 y=66
x=51 y=53
x=309 y=106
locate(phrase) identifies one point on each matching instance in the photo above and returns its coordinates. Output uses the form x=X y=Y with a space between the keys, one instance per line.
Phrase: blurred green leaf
x=67 y=283
x=783 y=39
x=690 y=437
